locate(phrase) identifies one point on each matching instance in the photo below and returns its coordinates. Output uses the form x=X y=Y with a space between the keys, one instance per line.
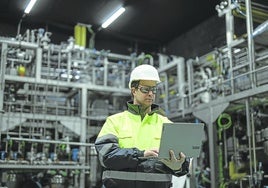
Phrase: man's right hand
x=151 y=153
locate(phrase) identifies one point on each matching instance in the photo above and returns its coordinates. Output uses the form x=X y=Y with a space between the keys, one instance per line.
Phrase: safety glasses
x=146 y=89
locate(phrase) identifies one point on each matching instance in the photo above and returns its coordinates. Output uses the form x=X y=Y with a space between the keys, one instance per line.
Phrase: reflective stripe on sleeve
x=140 y=176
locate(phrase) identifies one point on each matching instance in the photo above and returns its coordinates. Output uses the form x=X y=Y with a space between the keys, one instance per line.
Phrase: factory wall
x=203 y=38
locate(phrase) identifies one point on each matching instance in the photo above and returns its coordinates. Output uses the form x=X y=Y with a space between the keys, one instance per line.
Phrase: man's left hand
x=174 y=163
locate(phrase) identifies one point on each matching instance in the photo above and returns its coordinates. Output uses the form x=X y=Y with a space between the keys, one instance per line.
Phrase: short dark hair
x=135 y=83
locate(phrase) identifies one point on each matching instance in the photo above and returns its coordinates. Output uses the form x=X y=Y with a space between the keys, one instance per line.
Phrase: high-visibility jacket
x=122 y=141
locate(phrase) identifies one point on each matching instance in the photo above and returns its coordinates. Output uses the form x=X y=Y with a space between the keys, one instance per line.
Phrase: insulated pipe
x=229 y=20
x=251 y=50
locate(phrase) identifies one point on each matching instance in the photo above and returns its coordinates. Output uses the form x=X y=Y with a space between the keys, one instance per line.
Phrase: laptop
x=181 y=137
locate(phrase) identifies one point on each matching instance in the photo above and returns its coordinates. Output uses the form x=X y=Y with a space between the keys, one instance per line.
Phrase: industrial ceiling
x=144 y=21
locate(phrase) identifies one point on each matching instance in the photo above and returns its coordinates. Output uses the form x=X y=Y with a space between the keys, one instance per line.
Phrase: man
x=128 y=138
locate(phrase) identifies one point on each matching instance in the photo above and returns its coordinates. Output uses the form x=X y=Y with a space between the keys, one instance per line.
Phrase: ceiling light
x=113 y=17
x=29 y=6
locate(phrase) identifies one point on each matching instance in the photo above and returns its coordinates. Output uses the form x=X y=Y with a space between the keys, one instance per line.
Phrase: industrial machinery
x=227 y=89
x=53 y=101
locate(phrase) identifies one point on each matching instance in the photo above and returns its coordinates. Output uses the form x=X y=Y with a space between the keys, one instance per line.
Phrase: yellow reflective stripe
x=140 y=176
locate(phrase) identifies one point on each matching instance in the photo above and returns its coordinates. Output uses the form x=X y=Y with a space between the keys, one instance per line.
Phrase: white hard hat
x=144 y=72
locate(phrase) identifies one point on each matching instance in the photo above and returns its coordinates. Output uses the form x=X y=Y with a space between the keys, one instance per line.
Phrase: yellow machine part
x=80 y=35
x=232 y=172
x=77 y=34
x=83 y=36
x=21 y=70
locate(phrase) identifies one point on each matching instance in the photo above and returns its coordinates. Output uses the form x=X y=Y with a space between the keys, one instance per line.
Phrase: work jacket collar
x=136 y=109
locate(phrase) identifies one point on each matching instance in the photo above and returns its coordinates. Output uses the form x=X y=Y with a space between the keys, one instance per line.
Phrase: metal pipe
x=251 y=50
x=229 y=21
x=225 y=149
x=235 y=142
x=2 y=82
x=236 y=77
x=181 y=80
x=253 y=144
x=110 y=55
x=2 y=74
x=53 y=166
x=249 y=139
x=21 y=60
x=38 y=63
x=190 y=75
x=261 y=58
x=83 y=107
x=212 y=152
x=69 y=62
x=105 y=71
x=21 y=44
x=165 y=99
x=52 y=141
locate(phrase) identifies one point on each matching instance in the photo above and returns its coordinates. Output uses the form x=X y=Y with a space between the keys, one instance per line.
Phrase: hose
x=222 y=126
x=147 y=56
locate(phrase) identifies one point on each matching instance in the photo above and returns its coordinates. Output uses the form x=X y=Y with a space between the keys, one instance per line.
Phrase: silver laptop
x=181 y=137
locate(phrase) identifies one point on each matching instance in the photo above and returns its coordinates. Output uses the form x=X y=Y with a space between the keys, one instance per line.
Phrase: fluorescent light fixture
x=113 y=17
x=29 y=6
